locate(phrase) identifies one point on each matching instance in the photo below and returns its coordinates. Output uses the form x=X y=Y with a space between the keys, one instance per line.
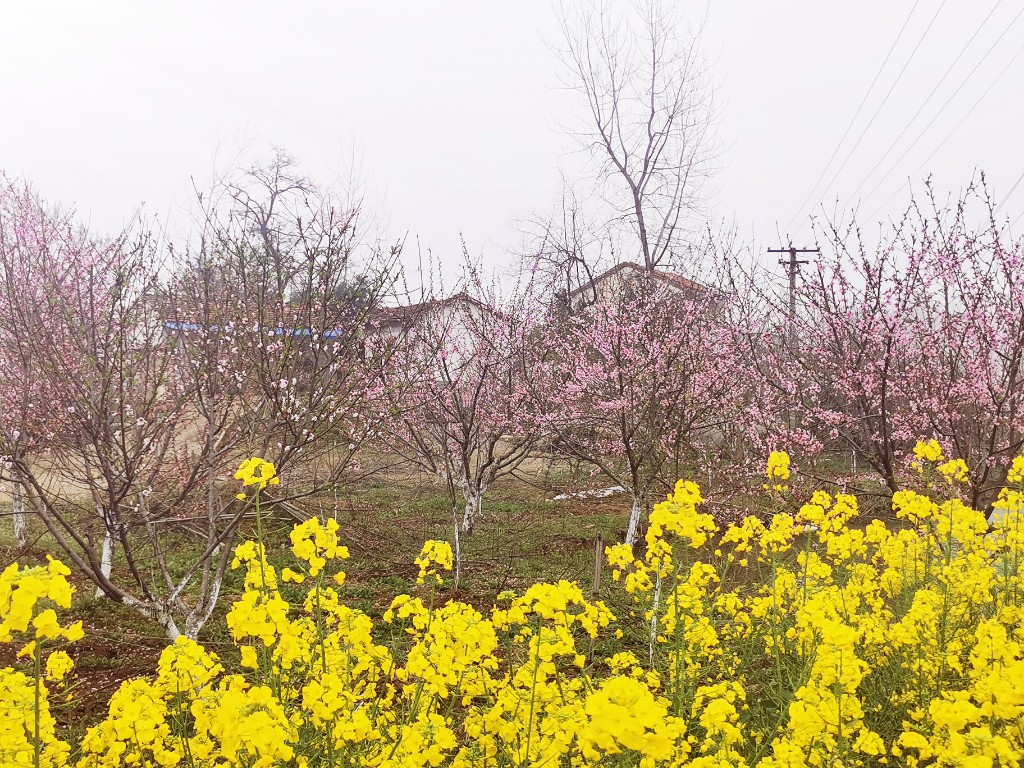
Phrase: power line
x=884 y=101
x=955 y=127
x=856 y=114
x=950 y=134
x=924 y=104
x=948 y=102
x=1008 y=194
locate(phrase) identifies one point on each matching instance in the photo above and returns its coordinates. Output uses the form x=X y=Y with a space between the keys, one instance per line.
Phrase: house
x=453 y=323
x=391 y=322
x=624 y=278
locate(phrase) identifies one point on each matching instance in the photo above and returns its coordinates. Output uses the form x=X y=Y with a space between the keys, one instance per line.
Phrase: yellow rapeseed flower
x=927 y=450
x=257 y=472
x=434 y=555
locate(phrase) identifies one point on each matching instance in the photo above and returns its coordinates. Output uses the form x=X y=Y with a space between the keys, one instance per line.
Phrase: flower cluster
x=257 y=473
x=316 y=544
x=434 y=555
x=928 y=453
x=778 y=471
x=29 y=598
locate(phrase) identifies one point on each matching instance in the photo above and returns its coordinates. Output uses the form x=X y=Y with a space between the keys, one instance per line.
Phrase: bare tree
x=648 y=114
x=566 y=249
x=303 y=284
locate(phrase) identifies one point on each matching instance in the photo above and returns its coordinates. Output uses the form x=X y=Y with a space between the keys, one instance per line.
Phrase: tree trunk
x=170 y=626
x=106 y=559
x=474 y=504
x=156 y=613
x=458 y=547
x=197 y=619
x=18 y=502
x=635 y=515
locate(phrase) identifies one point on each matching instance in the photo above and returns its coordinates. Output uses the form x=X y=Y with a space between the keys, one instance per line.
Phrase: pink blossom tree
x=28 y=422
x=641 y=388
x=920 y=335
x=132 y=397
x=80 y=330
x=457 y=399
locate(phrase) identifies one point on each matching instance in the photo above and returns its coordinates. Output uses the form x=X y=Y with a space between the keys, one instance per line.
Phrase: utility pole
x=793 y=265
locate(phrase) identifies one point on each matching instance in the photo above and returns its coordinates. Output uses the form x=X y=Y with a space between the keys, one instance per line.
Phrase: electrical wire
x=856 y=114
x=924 y=104
x=1008 y=194
x=941 y=110
x=882 y=105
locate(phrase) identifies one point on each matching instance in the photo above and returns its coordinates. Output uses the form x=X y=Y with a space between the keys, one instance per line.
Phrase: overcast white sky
x=453 y=108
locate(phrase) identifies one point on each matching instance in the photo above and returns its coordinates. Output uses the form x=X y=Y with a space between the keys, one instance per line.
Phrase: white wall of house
x=449 y=324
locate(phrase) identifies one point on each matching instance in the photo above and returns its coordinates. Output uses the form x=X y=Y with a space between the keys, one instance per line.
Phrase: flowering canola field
x=804 y=641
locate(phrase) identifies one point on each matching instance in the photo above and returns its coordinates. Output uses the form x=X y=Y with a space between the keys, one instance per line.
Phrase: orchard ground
x=523 y=537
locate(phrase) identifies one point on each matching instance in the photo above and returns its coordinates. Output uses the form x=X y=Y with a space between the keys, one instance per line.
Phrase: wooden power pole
x=793 y=265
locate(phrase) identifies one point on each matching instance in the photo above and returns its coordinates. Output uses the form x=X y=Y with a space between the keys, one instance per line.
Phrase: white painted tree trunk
x=194 y=620
x=458 y=547
x=635 y=514
x=18 y=496
x=106 y=558
x=474 y=503
x=197 y=619
x=170 y=626
x=158 y=614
